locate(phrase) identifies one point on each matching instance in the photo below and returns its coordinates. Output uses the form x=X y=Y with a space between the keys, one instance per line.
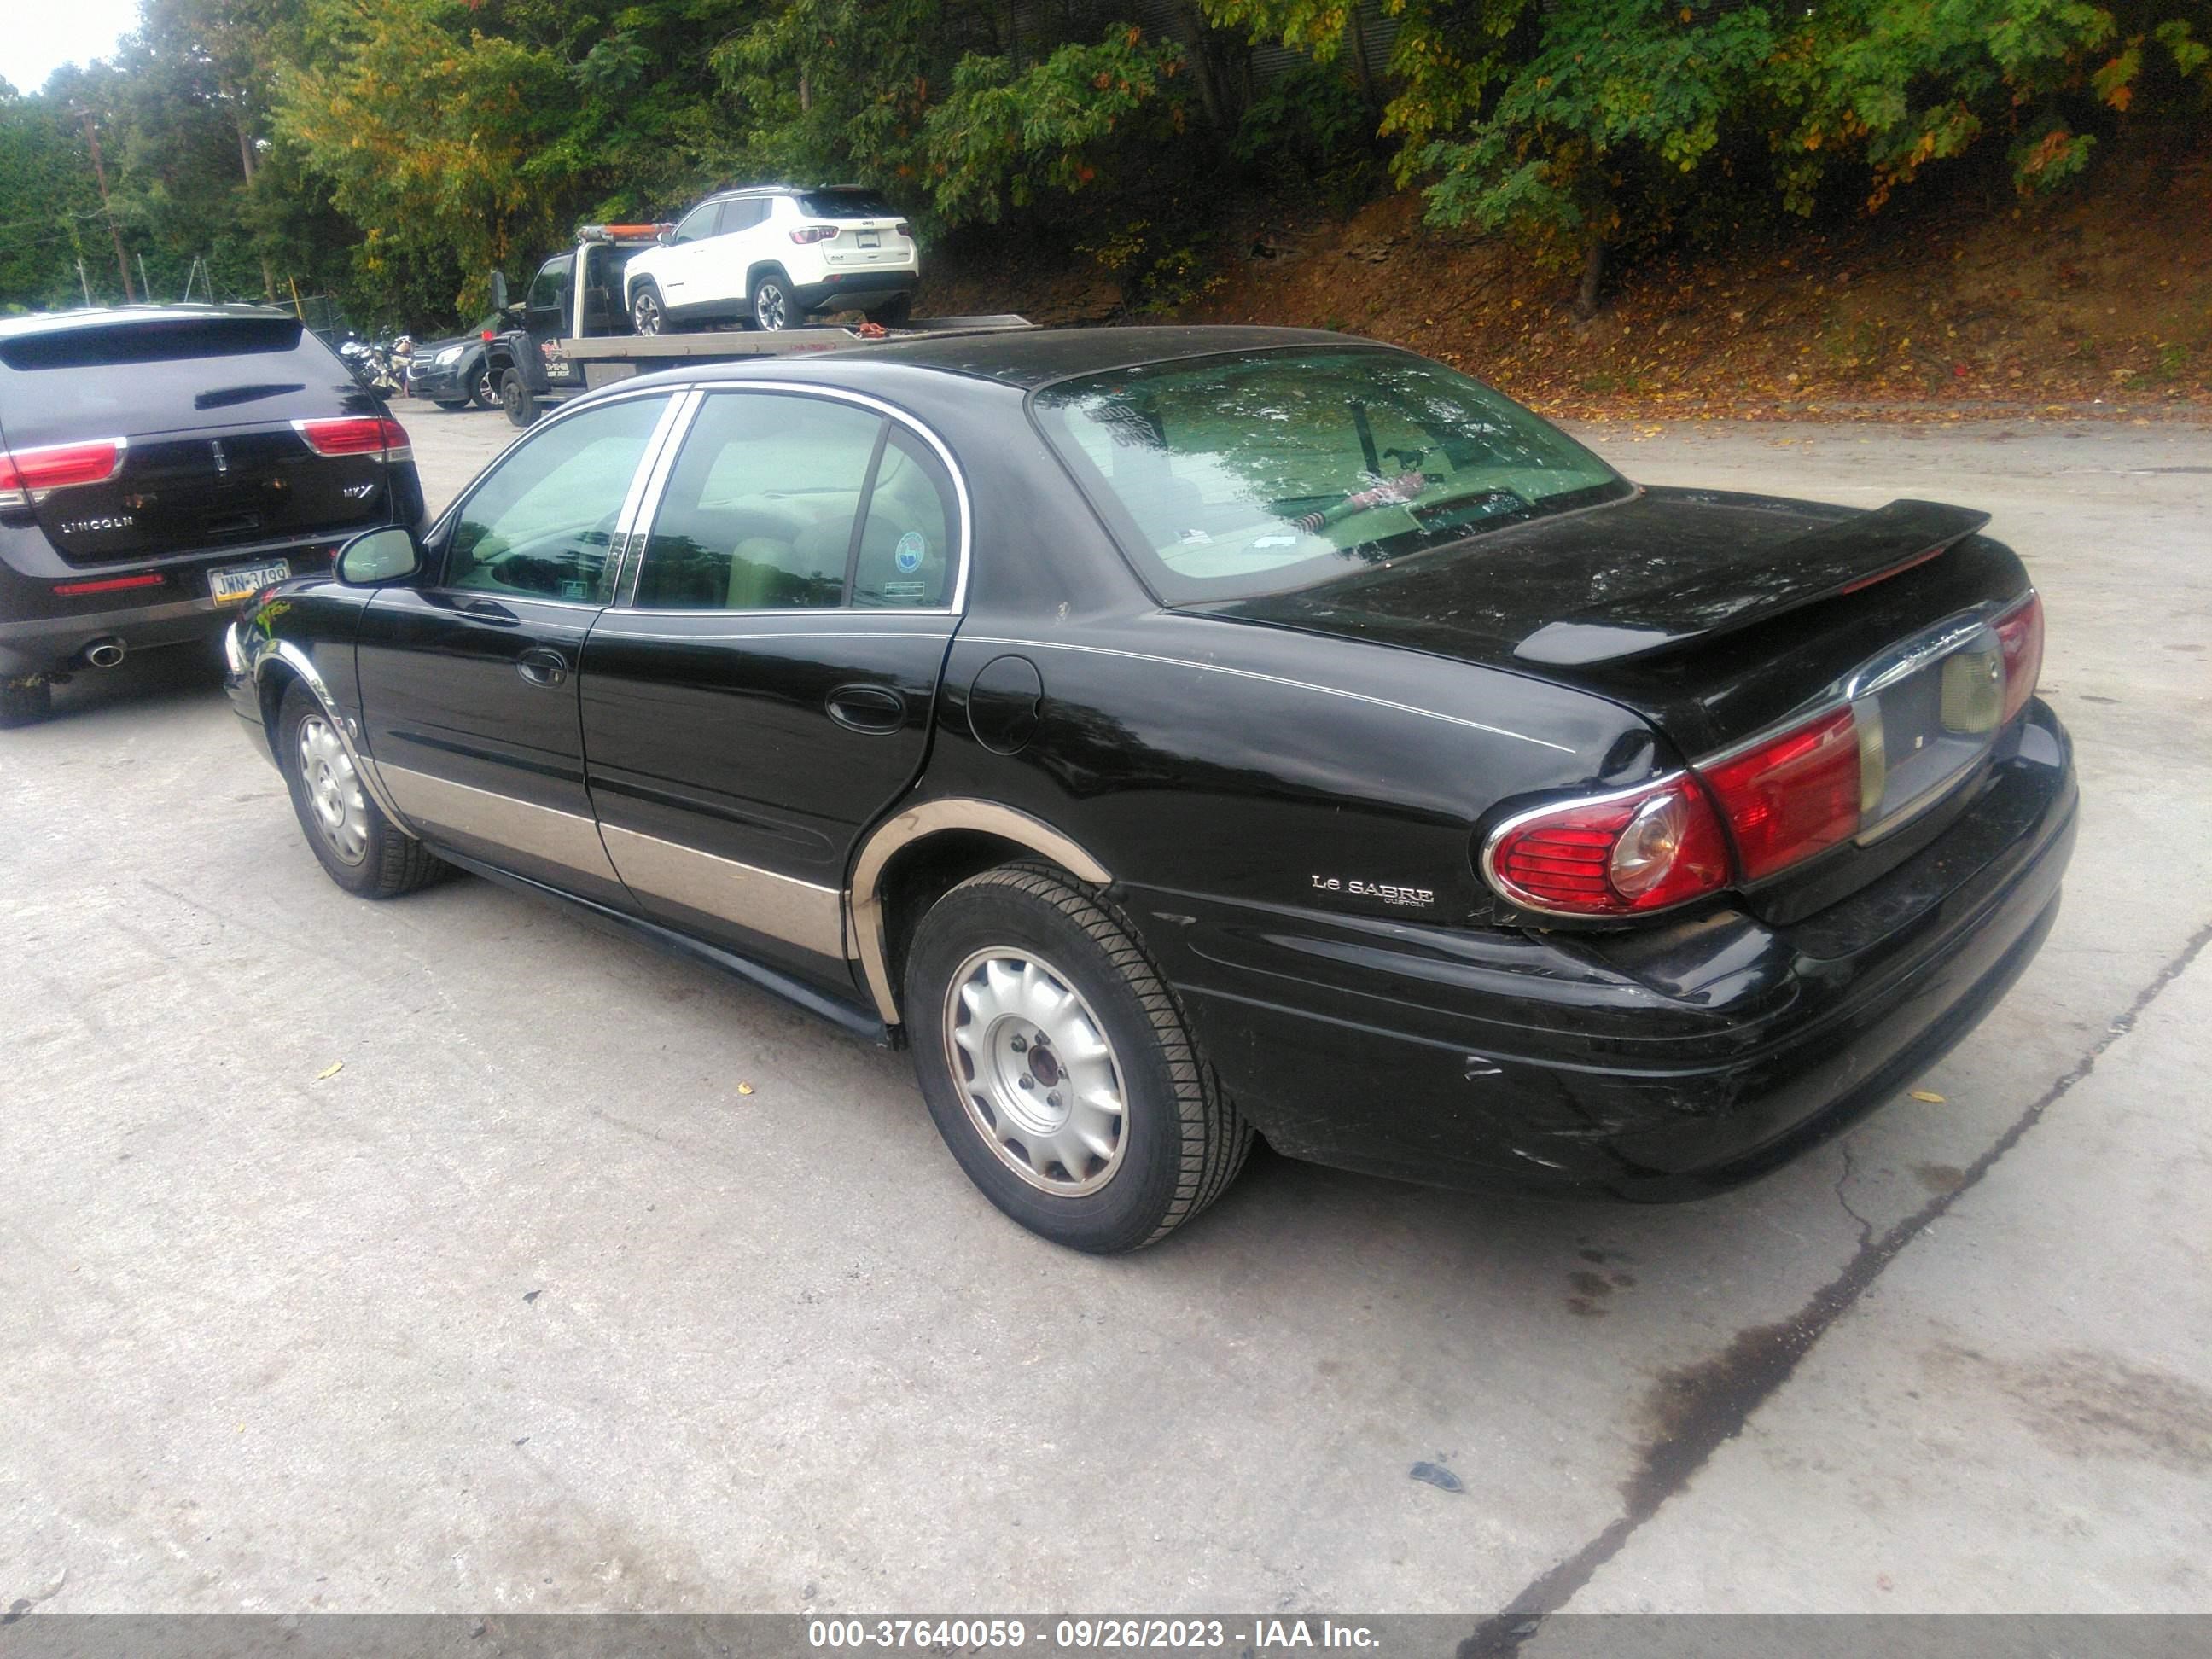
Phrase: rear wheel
x=362 y=850
x=516 y=399
x=892 y=314
x=1058 y=1067
x=647 y=315
x=773 y=306
x=25 y=701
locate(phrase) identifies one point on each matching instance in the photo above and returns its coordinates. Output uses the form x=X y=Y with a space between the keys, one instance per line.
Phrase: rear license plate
x=243 y=581
x=872 y=239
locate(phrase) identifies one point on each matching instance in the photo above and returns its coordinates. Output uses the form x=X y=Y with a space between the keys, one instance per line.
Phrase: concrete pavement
x=427 y=1255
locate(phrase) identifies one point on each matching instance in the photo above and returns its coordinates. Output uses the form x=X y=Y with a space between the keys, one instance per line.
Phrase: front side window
x=1270 y=471
x=548 y=289
x=541 y=524
x=781 y=501
x=698 y=223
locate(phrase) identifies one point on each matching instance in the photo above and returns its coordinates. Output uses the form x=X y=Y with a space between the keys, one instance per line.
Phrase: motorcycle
x=372 y=366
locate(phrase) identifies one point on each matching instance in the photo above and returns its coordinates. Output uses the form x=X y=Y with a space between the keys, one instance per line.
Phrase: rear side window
x=742 y=215
x=844 y=204
x=161 y=373
x=761 y=510
x=758 y=512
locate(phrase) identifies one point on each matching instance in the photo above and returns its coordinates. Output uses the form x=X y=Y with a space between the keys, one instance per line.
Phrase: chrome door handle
x=543 y=666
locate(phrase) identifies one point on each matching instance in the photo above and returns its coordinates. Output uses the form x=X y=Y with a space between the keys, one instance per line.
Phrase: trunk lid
x=1717 y=617
x=205 y=406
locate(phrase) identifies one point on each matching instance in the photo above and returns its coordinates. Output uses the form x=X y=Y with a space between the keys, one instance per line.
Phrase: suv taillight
x=903 y=229
x=1612 y=855
x=807 y=233
x=26 y=475
x=2019 y=633
x=356 y=434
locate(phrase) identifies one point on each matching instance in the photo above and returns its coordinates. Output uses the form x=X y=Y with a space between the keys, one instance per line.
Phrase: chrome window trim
x=957 y=605
x=645 y=485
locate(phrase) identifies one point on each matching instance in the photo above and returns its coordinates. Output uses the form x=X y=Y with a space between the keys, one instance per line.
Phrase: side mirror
x=378 y=556
x=665 y=235
x=499 y=290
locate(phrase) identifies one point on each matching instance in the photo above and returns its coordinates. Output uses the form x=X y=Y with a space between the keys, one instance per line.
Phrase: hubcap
x=333 y=791
x=1039 y=1080
x=769 y=311
x=647 y=315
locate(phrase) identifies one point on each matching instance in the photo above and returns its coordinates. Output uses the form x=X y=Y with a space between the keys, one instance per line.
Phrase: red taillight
x=1791 y=796
x=2020 y=632
x=809 y=234
x=108 y=585
x=903 y=229
x=487 y=336
x=26 y=474
x=356 y=434
x=1644 y=849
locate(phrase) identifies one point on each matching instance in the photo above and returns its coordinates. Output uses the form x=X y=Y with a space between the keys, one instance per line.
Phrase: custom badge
x=908 y=554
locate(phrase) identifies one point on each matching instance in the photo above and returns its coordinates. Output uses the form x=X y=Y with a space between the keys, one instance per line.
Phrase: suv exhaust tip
x=105 y=653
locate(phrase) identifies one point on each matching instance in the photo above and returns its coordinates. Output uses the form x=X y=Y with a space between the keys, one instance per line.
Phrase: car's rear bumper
x=846 y=290
x=1660 y=1065
x=42 y=632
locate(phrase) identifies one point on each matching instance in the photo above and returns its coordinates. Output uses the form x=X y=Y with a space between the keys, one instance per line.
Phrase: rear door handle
x=867 y=708
x=542 y=665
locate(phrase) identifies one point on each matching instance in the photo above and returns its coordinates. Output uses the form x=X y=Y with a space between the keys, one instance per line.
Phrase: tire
x=893 y=313
x=25 y=702
x=773 y=308
x=648 y=316
x=359 y=847
x=1014 y=943
x=482 y=392
x=450 y=406
x=516 y=399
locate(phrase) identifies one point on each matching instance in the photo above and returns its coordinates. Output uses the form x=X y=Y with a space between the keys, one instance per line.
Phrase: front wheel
x=362 y=850
x=1058 y=1067
x=773 y=308
x=25 y=701
x=482 y=391
x=647 y=318
x=516 y=399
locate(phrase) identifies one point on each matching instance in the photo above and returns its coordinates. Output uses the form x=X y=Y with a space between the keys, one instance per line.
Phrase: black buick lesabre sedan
x=159 y=464
x=1170 y=734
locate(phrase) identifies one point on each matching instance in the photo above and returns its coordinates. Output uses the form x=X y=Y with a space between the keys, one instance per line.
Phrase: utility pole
x=92 y=138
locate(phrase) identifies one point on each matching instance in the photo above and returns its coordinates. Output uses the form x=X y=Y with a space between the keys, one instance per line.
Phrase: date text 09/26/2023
x=1089 y=1635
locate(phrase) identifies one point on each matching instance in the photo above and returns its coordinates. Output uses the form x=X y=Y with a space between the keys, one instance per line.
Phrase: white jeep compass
x=774 y=254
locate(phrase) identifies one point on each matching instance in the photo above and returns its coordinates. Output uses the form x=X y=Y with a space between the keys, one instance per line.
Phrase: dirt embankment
x=2101 y=303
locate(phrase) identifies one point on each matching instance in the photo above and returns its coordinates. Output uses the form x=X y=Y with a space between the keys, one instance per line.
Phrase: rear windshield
x=1265 y=473
x=844 y=204
x=155 y=374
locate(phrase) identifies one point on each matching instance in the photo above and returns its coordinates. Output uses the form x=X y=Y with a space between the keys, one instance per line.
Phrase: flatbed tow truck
x=571 y=333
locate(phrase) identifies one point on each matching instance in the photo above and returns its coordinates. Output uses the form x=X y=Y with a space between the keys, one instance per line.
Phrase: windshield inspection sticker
x=908 y=554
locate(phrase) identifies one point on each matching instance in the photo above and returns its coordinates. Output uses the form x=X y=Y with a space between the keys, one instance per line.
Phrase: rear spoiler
x=1821 y=564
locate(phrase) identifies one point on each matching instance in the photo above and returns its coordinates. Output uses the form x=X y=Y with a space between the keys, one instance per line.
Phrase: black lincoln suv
x=159 y=465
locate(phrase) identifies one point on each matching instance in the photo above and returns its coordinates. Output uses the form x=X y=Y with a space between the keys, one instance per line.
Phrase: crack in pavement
x=1715 y=1400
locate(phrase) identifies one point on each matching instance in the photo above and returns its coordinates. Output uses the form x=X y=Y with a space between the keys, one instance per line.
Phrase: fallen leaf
x=744 y=1088
x=330 y=1070
x=1928 y=1095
